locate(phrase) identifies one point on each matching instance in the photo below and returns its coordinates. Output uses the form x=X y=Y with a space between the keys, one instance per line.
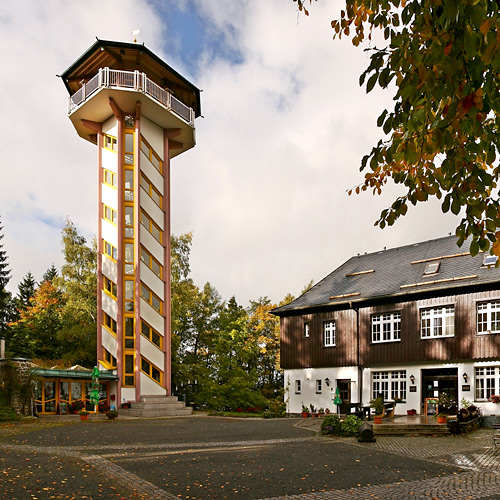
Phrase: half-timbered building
x=410 y=323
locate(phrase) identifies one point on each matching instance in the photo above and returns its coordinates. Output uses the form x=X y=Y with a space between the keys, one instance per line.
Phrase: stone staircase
x=157 y=406
x=391 y=429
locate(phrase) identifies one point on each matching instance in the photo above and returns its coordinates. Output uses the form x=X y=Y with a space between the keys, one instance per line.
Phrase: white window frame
x=298 y=387
x=392 y=384
x=307 y=329
x=437 y=322
x=488 y=317
x=386 y=327
x=319 y=386
x=329 y=333
x=487 y=382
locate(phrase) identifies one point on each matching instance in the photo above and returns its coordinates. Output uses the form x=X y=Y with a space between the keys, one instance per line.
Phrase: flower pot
x=441 y=420
x=84 y=417
x=411 y=412
x=377 y=419
x=305 y=414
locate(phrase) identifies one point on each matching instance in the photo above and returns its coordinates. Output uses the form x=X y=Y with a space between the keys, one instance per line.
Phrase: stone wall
x=15 y=384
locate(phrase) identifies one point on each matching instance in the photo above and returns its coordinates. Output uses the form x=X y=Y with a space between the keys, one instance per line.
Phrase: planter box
x=471 y=425
x=457 y=427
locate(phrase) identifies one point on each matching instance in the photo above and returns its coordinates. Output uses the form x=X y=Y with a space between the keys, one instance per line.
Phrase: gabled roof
x=398 y=273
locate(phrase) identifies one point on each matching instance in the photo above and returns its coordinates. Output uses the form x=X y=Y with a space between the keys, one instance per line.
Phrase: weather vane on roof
x=135 y=33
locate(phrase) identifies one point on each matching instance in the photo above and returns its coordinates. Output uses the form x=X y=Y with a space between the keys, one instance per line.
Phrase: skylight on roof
x=489 y=260
x=432 y=267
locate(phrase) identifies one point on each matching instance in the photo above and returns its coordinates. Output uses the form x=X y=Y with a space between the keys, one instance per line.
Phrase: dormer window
x=432 y=267
x=489 y=260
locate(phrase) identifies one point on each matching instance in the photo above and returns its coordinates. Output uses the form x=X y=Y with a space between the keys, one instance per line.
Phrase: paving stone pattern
x=475 y=455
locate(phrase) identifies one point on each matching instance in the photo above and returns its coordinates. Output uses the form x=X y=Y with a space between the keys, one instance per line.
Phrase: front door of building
x=437 y=381
x=344 y=386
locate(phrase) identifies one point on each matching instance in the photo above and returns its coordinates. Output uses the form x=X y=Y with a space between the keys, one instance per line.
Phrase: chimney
x=2 y=348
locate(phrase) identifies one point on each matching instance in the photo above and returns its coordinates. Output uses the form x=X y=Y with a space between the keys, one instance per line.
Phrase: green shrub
x=350 y=425
x=7 y=414
x=331 y=426
x=277 y=408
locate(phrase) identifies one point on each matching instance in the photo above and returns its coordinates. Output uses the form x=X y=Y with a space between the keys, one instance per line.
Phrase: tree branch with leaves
x=442 y=58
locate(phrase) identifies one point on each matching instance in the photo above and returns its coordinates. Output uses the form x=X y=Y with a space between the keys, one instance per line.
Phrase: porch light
x=412 y=379
x=465 y=377
x=327 y=382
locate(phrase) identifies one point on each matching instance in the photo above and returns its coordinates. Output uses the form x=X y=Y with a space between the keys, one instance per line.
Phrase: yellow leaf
x=486 y=25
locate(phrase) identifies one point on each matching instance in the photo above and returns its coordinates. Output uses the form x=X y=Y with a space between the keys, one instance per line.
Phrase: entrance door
x=438 y=381
x=345 y=395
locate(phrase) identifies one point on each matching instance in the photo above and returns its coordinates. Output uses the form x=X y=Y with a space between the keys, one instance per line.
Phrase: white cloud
x=264 y=191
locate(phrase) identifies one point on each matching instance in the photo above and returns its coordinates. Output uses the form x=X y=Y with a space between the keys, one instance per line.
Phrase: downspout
x=358 y=365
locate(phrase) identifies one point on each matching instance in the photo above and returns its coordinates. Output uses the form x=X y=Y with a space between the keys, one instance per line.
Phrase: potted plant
x=126 y=405
x=495 y=399
x=411 y=412
x=378 y=405
x=103 y=406
x=441 y=418
x=473 y=411
x=445 y=401
x=76 y=406
x=112 y=414
x=327 y=411
x=305 y=411
x=463 y=415
x=321 y=412
x=313 y=410
x=84 y=415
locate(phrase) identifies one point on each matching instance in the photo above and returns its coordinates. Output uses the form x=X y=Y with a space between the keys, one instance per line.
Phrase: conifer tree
x=5 y=297
x=50 y=273
x=26 y=290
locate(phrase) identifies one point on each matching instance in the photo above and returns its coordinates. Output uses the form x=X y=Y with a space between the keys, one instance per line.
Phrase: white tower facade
x=140 y=113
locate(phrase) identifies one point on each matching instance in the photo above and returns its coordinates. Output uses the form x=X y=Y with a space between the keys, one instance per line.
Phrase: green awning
x=73 y=374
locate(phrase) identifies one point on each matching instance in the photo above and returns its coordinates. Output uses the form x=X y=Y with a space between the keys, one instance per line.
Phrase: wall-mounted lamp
x=465 y=377
x=327 y=382
x=412 y=379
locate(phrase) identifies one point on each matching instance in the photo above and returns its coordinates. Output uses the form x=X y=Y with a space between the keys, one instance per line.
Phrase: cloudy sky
x=284 y=128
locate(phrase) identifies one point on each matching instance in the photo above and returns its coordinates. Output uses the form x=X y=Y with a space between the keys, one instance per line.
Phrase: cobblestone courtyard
x=214 y=458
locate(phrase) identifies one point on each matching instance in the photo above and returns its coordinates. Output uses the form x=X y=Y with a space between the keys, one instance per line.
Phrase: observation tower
x=140 y=113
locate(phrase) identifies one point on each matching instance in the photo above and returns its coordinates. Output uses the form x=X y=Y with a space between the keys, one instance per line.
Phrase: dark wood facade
x=299 y=351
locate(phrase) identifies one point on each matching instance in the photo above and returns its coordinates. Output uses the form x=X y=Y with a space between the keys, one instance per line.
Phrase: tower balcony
x=90 y=102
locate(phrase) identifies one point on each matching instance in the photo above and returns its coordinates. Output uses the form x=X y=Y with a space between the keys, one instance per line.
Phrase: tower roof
x=130 y=57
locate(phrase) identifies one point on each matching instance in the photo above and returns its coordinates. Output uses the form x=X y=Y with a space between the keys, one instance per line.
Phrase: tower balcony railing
x=135 y=80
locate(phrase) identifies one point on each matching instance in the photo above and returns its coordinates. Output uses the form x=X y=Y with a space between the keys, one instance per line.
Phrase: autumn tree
x=58 y=322
x=222 y=357
x=36 y=333
x=193 y=314
x=78 y=285
x=442 y=58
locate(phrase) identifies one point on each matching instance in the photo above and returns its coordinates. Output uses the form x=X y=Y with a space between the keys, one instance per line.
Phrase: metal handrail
x=115 y=78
